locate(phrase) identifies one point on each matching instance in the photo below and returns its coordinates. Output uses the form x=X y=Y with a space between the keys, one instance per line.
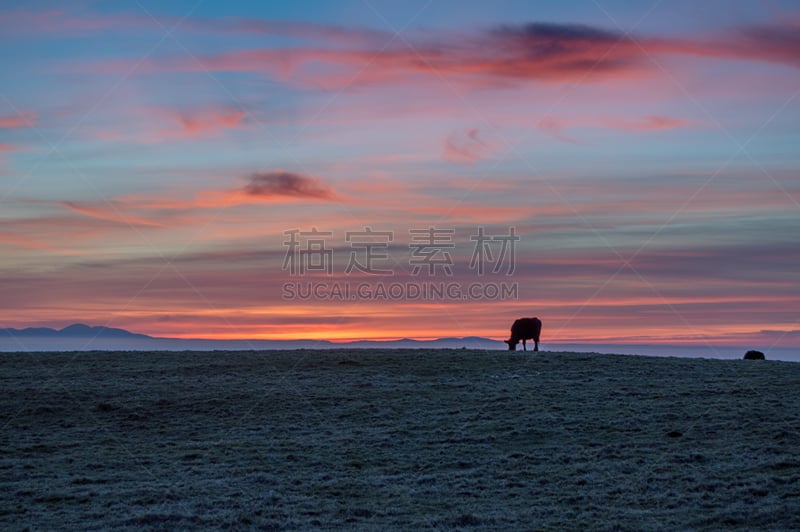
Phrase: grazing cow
x=524 y=329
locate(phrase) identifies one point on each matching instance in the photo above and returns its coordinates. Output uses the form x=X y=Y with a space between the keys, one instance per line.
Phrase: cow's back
x=526 y=328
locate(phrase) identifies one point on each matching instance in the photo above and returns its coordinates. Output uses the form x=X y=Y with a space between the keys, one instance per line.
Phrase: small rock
x=674 y=434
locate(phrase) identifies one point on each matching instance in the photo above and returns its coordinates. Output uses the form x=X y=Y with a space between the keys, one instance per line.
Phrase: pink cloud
x=150 y=125
x=109 y=211
x=773 y=43
x=24 y=241
x=61 y=233
x=198 y=123
x=75 y=226
x=245 y=287
x=472 y=63
x=648 y=123
x=555 y=127
x=21 y=119
x=501 y=57
x=533 y=50
x=6 y=148
x=276 y=186
x=465 y=147
x=306 y=30
x=192 y=123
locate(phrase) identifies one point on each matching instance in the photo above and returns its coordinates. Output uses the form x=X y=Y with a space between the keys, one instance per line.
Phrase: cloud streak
x=556 y=127
x=275 y=186
x=6 y=148
x=566 y=283
x=21 y=119
x=537 y=50
x=508 y=54
x=199 y=123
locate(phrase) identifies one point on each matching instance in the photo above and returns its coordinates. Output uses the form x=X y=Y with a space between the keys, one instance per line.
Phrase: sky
x=371 y=169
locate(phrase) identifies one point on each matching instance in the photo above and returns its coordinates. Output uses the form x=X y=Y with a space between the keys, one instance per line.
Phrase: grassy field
x=376 y=439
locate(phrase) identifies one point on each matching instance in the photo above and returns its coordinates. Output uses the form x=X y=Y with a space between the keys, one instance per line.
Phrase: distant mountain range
x=76 y=330
x=81 y=337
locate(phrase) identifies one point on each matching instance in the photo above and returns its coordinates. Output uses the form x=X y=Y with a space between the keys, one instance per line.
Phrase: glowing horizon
x=154 y=161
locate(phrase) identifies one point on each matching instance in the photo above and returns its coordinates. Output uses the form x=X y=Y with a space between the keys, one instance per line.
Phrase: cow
x=754 y=355
x=524 y=329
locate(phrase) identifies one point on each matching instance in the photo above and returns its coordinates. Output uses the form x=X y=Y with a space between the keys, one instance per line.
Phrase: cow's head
x=512 y=344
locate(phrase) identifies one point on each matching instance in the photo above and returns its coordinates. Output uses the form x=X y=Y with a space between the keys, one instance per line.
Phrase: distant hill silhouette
x=84 y=337
x=76 y=330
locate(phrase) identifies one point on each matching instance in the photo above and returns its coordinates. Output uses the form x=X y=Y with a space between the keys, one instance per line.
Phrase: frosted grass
x=376 y=439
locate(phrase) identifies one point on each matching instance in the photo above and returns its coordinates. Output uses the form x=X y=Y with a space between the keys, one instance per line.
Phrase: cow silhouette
x=525 y=329
x=754 y=355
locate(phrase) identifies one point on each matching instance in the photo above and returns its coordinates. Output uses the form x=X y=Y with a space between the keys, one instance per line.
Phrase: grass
x=376 y=439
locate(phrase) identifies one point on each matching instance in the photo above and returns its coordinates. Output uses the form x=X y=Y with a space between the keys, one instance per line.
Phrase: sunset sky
x=158 y=159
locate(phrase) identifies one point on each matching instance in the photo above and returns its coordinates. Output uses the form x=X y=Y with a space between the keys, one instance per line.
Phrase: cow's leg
x=523 y=345
x=535 y=344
